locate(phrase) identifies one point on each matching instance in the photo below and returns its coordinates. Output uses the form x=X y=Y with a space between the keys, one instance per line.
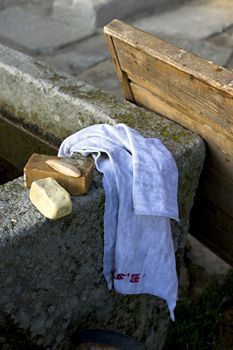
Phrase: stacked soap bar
x=38 y=168
x=51 y=199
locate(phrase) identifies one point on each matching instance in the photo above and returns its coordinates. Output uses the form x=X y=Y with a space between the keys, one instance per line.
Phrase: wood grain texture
x=169 y=82
x=220 y=144
x=197 y=94
x=122 y=76
x=171 y=54
x=213 y=227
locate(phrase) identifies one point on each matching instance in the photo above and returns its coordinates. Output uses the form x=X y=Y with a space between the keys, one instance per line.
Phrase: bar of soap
x=36 y=168
x=64 y=167
x=51 y=199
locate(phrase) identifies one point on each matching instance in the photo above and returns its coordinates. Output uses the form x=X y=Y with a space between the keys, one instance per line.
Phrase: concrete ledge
x=51 y=272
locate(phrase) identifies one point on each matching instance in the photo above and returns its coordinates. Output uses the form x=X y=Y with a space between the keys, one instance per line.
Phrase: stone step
x=195 y=20
x=87 y=59
x=39 y=32
x=78 y=57
x=45 y=25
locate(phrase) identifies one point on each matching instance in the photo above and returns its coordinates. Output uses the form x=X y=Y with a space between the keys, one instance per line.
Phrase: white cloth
x=140 y=180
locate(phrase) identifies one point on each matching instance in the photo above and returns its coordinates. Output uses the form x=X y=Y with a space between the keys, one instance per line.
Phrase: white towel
x=140 y=180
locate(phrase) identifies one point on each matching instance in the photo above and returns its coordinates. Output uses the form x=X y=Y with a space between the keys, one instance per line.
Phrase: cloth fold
x=140 y=181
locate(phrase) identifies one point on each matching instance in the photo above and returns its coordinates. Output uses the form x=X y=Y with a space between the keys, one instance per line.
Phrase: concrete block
x=195 y=20
x=51 y=280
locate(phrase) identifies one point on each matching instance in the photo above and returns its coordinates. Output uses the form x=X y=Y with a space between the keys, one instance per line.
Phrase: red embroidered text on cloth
x=133 y=277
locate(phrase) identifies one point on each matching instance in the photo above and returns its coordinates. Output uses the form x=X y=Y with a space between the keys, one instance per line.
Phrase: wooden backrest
x=196 y=94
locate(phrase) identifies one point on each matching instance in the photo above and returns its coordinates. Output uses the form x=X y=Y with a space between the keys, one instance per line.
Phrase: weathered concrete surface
x=103 y=76
x=202 y=256
x=224 y=38
x=40 y=32
x=196 y=20
x=54 y=104
x=106 y=10
x=43 y=25
x=80 y=56
x=51 y=272
x=201 y=269
x=8 y=3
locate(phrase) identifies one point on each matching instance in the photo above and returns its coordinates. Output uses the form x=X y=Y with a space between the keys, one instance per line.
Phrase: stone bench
x=51 y=280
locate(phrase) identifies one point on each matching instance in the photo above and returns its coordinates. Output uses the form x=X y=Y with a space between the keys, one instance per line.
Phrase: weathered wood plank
x=220 y=144
x=217 y=190
x=122 y=76
x=213 y=227
x=199 y=99
x=174 y=56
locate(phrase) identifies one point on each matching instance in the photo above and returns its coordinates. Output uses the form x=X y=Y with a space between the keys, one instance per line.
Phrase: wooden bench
x=196 y=94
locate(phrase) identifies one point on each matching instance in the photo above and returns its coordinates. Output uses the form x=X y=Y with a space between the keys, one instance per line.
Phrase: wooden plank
x=199 y=95
x=199 y=98
x=220 y=144
x=171 y=54
x=122 y=76
x=213 y=227
x=217 y=190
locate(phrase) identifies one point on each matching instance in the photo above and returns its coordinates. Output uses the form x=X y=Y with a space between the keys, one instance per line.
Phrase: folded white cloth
x=140 y=180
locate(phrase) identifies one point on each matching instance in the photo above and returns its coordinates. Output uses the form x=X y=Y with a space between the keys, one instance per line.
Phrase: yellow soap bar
x=37 y=168
x=51 y=199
